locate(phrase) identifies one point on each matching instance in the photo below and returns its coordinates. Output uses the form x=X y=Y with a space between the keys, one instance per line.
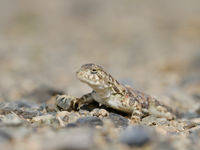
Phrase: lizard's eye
x=93 y=71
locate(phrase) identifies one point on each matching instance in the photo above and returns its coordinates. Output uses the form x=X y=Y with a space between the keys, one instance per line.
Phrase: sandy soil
x=151 y=45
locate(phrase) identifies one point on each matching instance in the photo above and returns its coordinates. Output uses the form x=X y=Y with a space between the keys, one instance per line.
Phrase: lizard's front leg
x=136 y=117
x=68 y=102
x=137 y=113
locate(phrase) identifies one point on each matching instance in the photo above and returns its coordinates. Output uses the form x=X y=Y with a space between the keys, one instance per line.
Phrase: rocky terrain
x=151 y=45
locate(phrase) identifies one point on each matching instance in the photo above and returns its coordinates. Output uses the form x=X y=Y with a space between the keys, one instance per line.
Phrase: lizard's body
x=109 y=92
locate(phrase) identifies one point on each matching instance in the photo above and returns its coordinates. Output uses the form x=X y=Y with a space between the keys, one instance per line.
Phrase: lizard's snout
x=78 y=73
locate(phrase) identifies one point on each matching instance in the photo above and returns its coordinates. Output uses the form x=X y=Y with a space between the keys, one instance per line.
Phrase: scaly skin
x=109 y=92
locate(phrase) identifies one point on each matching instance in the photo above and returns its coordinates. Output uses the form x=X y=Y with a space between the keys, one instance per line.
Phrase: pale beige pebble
x=103 y=112
x=178 y=124
x=171 y=127
x=161 y=130
x=60 y=115
x=73 y=116
x=152 y=120
x=43 y=118
x=11 y=119
x=98 y=127
x=167 y=130
x=62 y=124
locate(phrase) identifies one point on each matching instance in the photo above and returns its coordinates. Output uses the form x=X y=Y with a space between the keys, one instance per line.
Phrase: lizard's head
x=93 y=75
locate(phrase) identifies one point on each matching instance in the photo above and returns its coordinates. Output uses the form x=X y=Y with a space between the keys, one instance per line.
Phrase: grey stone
x=89 y=121
x=25 y=109
x=28 y=114
x=136 y=135
x=6 y=108
x=71 y=125
x=118 y=120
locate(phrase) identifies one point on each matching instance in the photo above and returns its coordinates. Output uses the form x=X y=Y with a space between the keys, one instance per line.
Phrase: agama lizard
x=109 y=92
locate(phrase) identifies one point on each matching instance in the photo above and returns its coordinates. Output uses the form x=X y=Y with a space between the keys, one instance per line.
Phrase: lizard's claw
x=65 y=102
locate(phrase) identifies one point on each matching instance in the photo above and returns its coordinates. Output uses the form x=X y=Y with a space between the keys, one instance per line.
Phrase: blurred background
x=151 y=45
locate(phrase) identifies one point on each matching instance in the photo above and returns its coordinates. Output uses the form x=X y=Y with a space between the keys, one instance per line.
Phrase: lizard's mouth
x=88 y=79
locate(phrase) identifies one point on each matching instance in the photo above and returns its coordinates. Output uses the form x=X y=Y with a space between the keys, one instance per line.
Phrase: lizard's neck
x=115 y=86
x=112 y=86
x=103 y=93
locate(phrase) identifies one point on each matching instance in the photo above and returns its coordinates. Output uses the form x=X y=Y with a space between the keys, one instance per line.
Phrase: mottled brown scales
x=109 y=92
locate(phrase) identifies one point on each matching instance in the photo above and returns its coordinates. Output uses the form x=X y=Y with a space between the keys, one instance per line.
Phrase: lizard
x=109 y=92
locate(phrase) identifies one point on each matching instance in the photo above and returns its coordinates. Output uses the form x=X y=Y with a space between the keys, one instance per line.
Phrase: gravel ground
x=151 y=45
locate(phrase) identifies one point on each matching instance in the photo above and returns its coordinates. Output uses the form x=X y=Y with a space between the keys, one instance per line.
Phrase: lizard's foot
x=66 y=102
x=136 y=117
x=99 y=112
